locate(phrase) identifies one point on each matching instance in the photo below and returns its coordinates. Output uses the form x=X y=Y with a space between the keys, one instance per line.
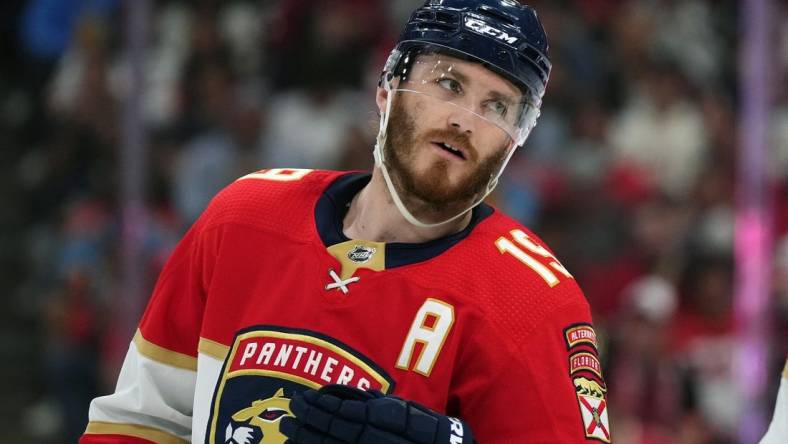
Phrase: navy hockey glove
x=338 y=414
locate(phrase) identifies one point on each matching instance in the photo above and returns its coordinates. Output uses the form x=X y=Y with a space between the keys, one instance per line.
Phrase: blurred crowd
x=629 y=176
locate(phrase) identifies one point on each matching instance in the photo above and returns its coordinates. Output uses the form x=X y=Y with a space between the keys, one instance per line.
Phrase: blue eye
x=450 y=84
x=497 y=107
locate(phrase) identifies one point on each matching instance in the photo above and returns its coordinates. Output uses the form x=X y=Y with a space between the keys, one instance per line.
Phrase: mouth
x=453 y=150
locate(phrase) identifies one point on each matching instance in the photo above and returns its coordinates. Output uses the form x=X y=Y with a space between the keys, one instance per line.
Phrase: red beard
x=430 y=192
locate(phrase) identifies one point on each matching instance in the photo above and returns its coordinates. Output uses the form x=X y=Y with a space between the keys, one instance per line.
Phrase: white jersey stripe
x=208 y=374
x=149 y=394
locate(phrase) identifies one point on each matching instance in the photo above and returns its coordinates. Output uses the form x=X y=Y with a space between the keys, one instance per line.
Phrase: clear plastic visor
x=461 y=81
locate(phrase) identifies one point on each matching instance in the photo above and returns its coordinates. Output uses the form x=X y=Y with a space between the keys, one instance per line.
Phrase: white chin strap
x=380 y=163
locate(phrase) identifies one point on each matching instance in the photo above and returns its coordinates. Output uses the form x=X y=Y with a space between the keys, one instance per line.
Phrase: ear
x=380 y=98
x=279 y=393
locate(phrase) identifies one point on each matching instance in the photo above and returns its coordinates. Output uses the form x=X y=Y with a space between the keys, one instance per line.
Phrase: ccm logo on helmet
x=485 y=29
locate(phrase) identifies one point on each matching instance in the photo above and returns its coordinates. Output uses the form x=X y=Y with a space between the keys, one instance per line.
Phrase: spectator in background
x=308 y=126
x=46 y=32
x=324 y=44
x=648 y=392
x=660 y=132
x=77 y=155
x=74 y=325
x=221 y=120
x=654 y=235
x=701 y=343
x=212 y=157
x=780 y=294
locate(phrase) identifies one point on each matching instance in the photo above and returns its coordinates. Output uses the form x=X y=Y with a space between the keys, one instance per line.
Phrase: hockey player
x=778 y=429
x=391 y=307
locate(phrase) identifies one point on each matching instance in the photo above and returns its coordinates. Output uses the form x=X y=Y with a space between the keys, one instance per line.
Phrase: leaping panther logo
x=259 y=423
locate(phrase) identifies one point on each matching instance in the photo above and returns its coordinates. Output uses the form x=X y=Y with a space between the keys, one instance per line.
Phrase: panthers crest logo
x=259 y=423
x=265 y=366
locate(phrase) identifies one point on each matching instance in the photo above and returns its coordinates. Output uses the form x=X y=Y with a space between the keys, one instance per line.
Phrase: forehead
x=473 y=74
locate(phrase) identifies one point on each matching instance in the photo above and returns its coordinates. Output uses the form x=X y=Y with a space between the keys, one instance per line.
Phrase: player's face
x=446 y=139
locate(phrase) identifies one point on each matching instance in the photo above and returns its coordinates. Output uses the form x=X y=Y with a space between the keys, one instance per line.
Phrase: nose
x=462 y=121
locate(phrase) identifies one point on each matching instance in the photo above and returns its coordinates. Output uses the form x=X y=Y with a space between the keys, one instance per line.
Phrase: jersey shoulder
x=281 y=200
x=509 y=273
x=503 y=246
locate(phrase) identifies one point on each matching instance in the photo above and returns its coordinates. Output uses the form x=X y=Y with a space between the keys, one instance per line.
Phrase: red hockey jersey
x=265 y=296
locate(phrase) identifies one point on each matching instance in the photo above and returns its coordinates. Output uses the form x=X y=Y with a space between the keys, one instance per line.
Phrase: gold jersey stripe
x=213 y=349
x=137 y=431
x=162 y=355
x=785 y=370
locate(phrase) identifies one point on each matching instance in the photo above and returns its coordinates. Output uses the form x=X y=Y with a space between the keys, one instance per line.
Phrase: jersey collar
x=333 y=205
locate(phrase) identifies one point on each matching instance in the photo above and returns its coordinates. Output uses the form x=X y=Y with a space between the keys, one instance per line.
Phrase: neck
x=373 y=216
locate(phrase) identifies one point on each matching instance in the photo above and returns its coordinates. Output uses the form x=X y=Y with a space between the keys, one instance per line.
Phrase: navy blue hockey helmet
x=504 y=35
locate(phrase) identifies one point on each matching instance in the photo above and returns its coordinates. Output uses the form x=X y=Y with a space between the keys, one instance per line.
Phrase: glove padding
x=339 y=414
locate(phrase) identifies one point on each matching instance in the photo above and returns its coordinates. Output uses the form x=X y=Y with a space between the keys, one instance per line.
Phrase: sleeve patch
x=593 y=409
x=581 y=361
x=585 y=371
x=579 y=334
